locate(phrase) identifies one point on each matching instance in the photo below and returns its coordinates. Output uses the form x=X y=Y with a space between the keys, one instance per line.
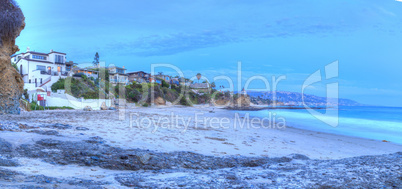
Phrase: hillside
x=78 y=87
x=296 y=99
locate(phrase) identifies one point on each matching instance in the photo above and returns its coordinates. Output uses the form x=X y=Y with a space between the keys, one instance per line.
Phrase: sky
x=275 y=38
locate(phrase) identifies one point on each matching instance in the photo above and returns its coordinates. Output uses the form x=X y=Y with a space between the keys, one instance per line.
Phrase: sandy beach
x=207 y=139
x=145 y=129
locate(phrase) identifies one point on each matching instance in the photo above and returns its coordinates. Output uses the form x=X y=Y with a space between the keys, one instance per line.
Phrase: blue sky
x=270 y=38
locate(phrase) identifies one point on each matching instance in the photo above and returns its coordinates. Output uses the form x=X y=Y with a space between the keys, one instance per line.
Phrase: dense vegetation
x=78 y=87
x=141 y=94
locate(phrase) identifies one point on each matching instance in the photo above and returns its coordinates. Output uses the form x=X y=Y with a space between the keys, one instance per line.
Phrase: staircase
x=46 y=81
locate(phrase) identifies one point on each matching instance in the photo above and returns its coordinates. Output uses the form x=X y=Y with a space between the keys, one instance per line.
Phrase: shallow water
x=378 y=123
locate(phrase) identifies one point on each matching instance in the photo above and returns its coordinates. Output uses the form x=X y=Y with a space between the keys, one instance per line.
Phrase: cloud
x=234 y=25
x=159 y=45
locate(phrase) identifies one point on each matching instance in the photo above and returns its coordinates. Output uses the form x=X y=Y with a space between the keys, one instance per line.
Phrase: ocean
x=378 y=123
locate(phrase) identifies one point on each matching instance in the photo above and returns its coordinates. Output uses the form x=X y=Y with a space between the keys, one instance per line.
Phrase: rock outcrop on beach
x=159 y=101
x=242 y=102
x=11 y=83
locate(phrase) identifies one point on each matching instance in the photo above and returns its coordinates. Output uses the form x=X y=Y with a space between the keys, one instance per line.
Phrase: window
x=41 y=68
x=59 y=59
x=121 y=71
x=38 y=57
x=58 y=69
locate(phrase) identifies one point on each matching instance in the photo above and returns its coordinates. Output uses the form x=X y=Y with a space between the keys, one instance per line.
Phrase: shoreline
x=333 y=134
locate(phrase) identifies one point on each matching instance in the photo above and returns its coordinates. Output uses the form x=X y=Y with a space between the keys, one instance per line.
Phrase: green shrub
x=133 y=95
x=58 y=85
x=185 y=102
x=59 y=108
x=84 y=77
x=165 y=84
x=91 y=95
x=35 y=106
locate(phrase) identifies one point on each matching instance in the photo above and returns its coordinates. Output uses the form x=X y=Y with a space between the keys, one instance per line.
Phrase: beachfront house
x=139 y=77
x=90 y=73
x=153 y=79
x=175 y=81
x=200 y=87
x=117 y=75
x=40 y=69
x=166 y=78
x=70 y=65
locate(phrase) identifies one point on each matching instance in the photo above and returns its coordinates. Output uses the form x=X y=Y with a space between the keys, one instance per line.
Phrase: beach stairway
x=46 y=81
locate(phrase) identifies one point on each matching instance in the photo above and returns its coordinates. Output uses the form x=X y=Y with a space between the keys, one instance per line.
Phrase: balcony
x=119 y=81
x=52 y=73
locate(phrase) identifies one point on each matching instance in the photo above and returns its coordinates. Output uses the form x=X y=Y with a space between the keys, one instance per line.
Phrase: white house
x=40 y=69
x=118 y=75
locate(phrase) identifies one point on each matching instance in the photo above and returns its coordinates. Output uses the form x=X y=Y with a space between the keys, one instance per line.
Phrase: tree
x=213 y=85
x=198 y=77
x=165 y=84
x=96 y=59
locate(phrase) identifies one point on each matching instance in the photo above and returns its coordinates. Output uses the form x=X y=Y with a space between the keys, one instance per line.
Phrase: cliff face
x=243 y=101
x=12 y=22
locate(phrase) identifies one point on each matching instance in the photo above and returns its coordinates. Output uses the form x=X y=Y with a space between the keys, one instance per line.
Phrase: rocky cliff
x=12 y=22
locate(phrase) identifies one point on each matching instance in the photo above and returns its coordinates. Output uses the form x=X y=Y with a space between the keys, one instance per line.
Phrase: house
x=153 y=79
x=70 y=65
x=175 y=81
x=40 y=69
x=85 y=71
x=200 y=87
x=139 y=77
x=166 y=78
x=118 y=75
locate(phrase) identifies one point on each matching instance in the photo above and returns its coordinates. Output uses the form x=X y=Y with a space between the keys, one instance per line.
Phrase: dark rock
x=9 y=126
x=7 y=162
x=299 y=156
x=95 y=140
x=81 y=128
x=42 y=132
x=59 y=126
x=5 y=147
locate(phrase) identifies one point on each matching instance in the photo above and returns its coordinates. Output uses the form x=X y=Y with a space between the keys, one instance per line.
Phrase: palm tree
x=213 y=85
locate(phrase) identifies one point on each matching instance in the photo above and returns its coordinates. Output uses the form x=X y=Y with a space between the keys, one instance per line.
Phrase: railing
x=119 y=80
x=47 y=80
x=44 y=72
